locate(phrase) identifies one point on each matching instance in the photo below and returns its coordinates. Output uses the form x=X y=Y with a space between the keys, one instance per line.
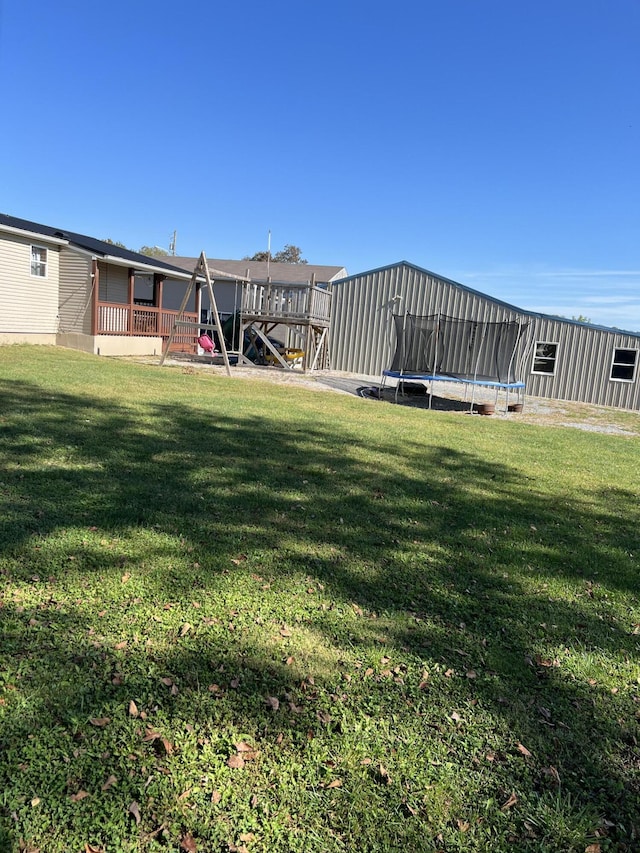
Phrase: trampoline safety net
x=468 y=350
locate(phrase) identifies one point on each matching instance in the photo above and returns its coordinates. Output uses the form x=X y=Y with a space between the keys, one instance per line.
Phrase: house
x=59 y=287
x=564 y=359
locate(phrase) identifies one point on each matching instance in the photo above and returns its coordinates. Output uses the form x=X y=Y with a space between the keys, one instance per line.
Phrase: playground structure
x=298 y=313
x=437 y=348
x=301 y=312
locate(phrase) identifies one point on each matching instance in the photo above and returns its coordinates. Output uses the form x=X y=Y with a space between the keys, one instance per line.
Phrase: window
x=544 y=360
x=623 y=367
x=39 y=261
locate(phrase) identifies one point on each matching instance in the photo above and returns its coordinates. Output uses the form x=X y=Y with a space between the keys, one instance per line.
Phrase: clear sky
x=496 y=142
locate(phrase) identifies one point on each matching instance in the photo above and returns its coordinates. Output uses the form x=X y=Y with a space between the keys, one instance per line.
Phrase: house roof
x=99 y=248
x=260 y=270
x=493 y=299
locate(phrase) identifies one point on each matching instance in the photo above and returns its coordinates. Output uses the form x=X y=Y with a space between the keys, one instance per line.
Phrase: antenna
x=172 y=244
x=268 y=252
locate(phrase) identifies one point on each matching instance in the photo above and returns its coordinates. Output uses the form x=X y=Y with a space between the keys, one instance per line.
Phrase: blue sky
x=495 y=142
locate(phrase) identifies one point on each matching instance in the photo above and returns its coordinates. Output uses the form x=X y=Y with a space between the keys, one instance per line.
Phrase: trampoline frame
x=475 y=380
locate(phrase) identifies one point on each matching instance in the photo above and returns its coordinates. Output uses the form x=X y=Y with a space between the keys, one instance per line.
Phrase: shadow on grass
x=424 y=550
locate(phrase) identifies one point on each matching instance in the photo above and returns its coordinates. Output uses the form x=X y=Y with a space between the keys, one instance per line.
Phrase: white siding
x=76 y=286
x=28 y=304
x=114 y=283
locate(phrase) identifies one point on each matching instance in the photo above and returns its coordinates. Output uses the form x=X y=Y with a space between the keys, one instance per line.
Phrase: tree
x=153 y=251
x=116 y=243
x=289 y=255
x=581 y=318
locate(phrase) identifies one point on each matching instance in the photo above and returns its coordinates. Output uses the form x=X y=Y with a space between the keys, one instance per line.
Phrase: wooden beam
x=95 y=296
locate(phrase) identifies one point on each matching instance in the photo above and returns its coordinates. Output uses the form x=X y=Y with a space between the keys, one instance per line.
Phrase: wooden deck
x=136 y=320
x=299 y=305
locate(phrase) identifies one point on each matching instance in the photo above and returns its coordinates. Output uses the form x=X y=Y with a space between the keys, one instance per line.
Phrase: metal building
x=566 y=360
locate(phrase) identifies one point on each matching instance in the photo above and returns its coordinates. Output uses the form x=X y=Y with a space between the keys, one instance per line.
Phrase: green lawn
x=239 y=616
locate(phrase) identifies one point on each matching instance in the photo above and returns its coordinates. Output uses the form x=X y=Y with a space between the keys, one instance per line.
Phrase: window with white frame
x=39 y=261
x=544 y=359
x=623 y=366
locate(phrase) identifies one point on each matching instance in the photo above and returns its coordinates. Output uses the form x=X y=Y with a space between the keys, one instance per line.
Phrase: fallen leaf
x=553 y=773
x=216 y=796
x=337 y=783
x=35 y=801
x=133 y=709
x=456 y=717
x=463 y=825
x=547 y=662
x=185 y=629
x=188 y=843
x=121 y=645
x=126 y=577
x=383 y=775
x=510 y=803
x=449 y=673
x=472 y=674
x=248 y=836
x=92 y=848
x=273 y=702
x=151 y=735
x=236 y=762
x=166 y=745
x=80 y=795
x=524 y=750
x=112 y=780
x=134 y=809
x=243 y=746
x=100 y=722
x=593 y=848
x=285 y=632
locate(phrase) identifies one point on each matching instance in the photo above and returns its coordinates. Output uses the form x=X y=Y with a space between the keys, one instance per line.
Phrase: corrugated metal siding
x=76 y=286
x=27 y=303
x=362 y=338
x=583 y=365
x=114 y=283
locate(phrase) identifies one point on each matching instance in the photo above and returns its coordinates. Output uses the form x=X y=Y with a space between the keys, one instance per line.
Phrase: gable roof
x=493 y=299
x=100 y=248
x=260 y=270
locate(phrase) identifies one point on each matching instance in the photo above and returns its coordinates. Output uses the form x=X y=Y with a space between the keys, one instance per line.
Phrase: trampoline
x=475 y=353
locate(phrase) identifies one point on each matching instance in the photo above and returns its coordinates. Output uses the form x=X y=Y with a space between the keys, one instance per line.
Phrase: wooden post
x=202 y=263
x=158 y=281
x=131 y=290
x=95 y=296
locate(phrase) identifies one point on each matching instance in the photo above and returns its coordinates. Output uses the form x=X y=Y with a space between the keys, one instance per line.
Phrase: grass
x=238 y=616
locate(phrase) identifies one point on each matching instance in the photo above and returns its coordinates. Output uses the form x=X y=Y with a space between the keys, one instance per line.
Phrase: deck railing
x=287 y=302
x=118 y=319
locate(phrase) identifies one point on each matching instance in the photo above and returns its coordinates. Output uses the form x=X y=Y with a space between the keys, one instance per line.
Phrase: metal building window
x=38 y=261
x=544 y=359
x=623 y=366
